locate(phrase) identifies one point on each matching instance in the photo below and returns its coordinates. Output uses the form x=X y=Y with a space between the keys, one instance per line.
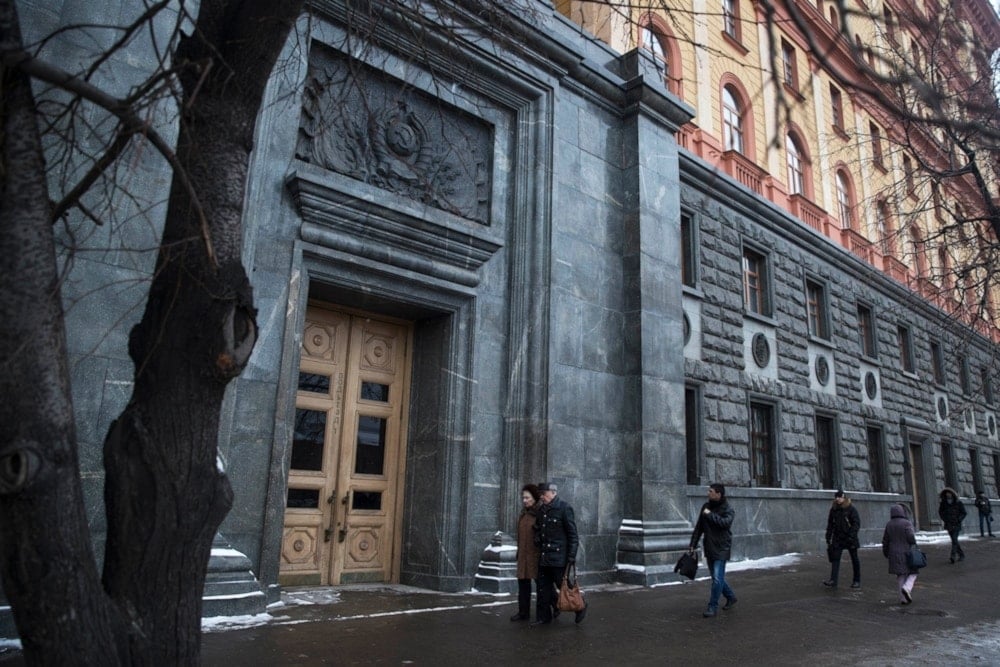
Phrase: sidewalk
x=784 y=617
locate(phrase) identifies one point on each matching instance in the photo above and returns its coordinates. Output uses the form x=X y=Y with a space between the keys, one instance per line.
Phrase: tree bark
x=48 y=569
x=165 y=493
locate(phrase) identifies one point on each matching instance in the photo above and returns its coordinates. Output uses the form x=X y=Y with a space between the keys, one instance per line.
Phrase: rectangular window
x=789 y=71
x=756 y=287
x=964 y=375
x=692 y=433
x=689 y=251
x=996 y=474
x=948 y=462
x=817 y=310
x=876 y=459
x=730 y=19
x=937 y=363
x=876 y=135
x=762 y=444
x=866 y=331
x=837 y=107
x=826 y=438
x=987 y=383
x=908 y=174
x=905 y=348
x=889 y=23
x=977 y=469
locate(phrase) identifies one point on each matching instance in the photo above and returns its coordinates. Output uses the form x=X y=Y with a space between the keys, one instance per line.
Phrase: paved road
x=784 y=617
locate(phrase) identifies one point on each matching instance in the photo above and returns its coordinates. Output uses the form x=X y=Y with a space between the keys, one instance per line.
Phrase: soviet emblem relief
x=761 y=349
x=360 y=123
x=822 y=367
x=871 y=385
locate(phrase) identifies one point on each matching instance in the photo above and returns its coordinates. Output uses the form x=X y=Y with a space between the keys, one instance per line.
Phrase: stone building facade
x=480 y=262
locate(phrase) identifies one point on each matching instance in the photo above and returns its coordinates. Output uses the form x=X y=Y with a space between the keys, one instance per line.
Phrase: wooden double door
x=345 y=478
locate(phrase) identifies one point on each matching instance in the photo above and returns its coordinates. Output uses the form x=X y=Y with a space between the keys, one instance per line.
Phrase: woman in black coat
x=896 y=542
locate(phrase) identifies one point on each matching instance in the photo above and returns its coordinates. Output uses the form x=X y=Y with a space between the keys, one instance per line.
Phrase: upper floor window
x=660 y=47
x=817 y=310
x=845 y=200
x=889 y=23
x=731 y=18
x=652 y=41
x=789 y=70
x=796 y=173
x=866 y=331
x=837 y=108
x=905 y=348
x=964 y=375
x=689 y=251
x=937 y=363
x=826 y=443
x=763 y=444
x=908 y=174
x=884 y=227
x=876 y=136
x=987 y=383
x=732 y=120
x=756 y=283
x=877 y=469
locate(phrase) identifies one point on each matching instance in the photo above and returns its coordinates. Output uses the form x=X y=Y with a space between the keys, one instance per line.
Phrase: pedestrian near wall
x=897 y=539
x=557 y=540
x=985 y=513
x=527 y=552
x=952 y=513
x=714 y=522
x=842 y=526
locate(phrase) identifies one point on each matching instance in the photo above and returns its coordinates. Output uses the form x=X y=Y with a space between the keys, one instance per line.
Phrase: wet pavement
x=784 y=617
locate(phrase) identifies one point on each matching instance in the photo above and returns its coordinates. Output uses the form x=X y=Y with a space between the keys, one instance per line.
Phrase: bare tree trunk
x=165 y=493
x=47 y=562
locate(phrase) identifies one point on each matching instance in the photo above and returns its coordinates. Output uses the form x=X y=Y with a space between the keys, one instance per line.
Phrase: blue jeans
x=719 y=586
x=986 y=519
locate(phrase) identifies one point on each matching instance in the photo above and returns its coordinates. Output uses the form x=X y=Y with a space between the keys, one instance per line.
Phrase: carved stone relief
x=361 y=123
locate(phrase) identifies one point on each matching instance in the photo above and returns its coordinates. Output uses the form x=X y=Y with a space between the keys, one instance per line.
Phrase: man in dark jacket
x=715 y=520
x=557 y=541
x=952 y=513
x=985 y=513
x=842 y=526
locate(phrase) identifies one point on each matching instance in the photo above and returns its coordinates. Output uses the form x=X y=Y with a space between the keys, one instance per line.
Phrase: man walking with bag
x=557 y=541
x=715 y=521
x=842 y=526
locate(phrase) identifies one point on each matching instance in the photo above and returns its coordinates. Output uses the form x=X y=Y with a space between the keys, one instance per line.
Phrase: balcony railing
x=807 y=212
x=743 y=170
x=857 y=244
x=895 y=268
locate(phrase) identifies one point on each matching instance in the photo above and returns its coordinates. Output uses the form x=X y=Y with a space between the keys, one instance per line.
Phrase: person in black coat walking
x=842 y=526
x=557 y=540
x=715 y=521
x=897 y=539
x=952 y=513
x=985 y=513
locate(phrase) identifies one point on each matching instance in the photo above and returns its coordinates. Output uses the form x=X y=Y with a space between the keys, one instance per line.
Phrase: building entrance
x=345 y=479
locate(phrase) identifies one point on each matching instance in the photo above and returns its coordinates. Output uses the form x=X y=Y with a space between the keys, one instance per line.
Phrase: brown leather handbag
x=570 y=595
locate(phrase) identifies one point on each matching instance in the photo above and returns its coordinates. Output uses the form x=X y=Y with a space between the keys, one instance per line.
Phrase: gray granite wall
x=558 y=352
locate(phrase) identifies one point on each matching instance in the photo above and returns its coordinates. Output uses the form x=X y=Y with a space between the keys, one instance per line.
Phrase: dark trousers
x=988 y=520
x=546 y=587
x=956 y=548
x=835 y=555
x=524 y=597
